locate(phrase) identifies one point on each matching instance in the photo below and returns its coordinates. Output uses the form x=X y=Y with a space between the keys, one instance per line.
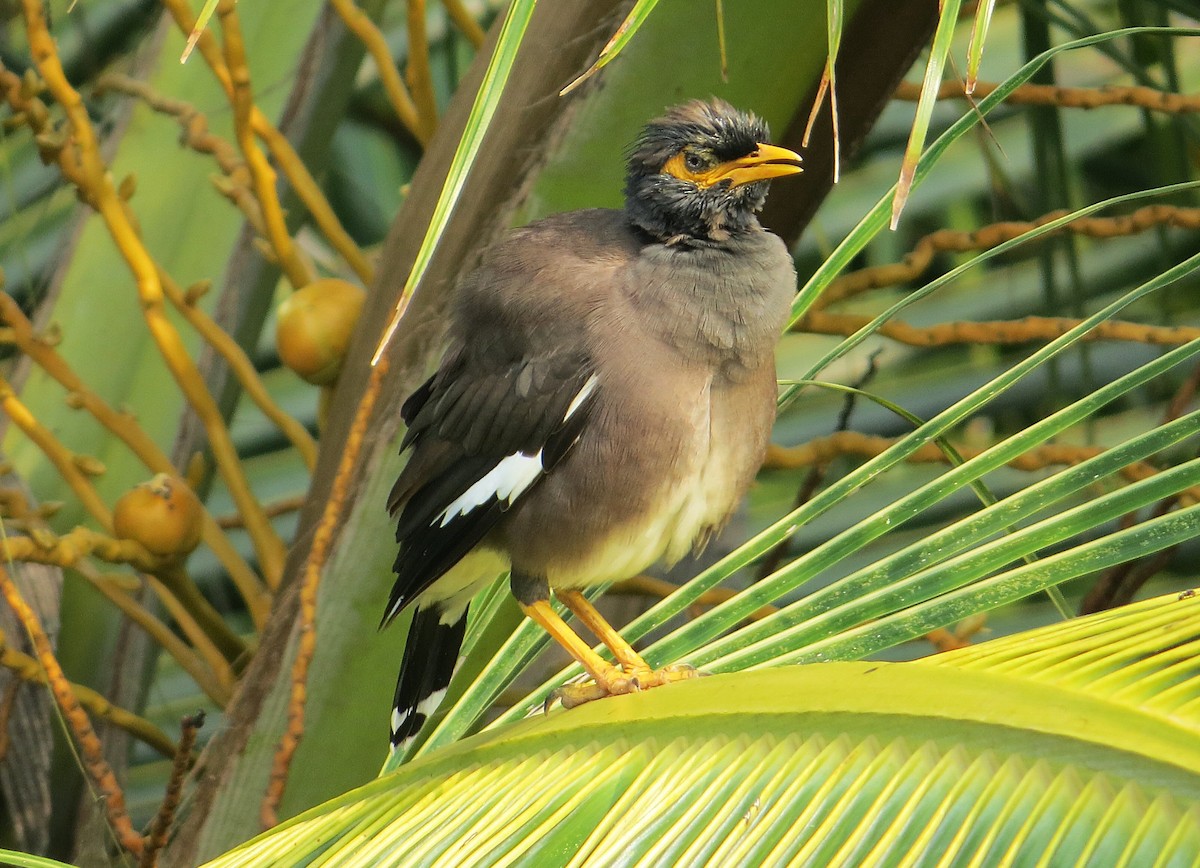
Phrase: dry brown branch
x=83 y=163
x=358 y=23
x=196 y=135
x=160 y=826
x=296 y=270
x=465 y=22
x=28 y=669
x=1067 y=97
x=281 y=149
x=1032 y=328
x=916 y=262
x=420 y=81
x=310 y=580
x=90 y=749
x=852 y=443
x=125 y=427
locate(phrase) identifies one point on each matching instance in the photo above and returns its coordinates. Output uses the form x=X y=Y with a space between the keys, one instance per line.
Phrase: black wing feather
x=463 y=422
x=416 y=401
x=430 y=658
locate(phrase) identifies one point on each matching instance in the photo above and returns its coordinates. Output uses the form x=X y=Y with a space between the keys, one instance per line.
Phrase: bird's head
x=699 y=172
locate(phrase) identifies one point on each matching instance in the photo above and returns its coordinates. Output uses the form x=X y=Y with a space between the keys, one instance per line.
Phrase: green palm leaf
x=1010 y=751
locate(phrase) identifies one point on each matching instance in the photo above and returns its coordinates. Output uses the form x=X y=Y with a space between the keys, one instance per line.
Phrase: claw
x=681 y=672
x=572 y=695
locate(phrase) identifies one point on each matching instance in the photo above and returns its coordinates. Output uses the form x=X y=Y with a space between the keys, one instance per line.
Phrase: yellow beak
x=767 y=161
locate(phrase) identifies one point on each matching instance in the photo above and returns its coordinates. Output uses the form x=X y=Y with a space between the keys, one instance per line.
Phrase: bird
x=603 y=403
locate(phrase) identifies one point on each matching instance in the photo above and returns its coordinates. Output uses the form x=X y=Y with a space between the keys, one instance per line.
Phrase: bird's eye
x=694 y=162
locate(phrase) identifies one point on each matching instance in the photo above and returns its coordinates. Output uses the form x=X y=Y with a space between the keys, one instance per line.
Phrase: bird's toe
x=681 y=672
x=572 y=695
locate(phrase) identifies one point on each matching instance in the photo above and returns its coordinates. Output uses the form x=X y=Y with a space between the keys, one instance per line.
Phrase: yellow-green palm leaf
x=1074 y=744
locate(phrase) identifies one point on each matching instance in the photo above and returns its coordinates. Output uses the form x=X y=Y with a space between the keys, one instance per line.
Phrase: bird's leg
x=609 y=679
x=533 y=596
x=602 y=630
x=637 y=668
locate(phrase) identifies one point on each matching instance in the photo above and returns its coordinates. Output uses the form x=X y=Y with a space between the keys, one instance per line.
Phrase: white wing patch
x=509 y=479
x=506 y=482
x=584 y=394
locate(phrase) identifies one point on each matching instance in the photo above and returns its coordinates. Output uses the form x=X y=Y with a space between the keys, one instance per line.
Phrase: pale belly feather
x=686 y=513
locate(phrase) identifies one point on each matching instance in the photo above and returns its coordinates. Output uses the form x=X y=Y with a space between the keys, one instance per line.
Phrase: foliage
x=1045 y=318
x=836 y=763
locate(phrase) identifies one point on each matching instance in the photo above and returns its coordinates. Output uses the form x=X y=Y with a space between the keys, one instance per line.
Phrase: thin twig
x=216 y=661
x=420 y=80
x=310 y=580
x=298 y=273
x=125 y=427
x=465 y=22
x=243 y=371
x=66 y=462
x=84 y=163
x=1031 y=328
x=1148 y=98
x=195 y=134
x=274 y=509
x=156 y=629
x=286 y=158
x=164 y=818
x=358 y=23
x=182 y=588
x=90 y=748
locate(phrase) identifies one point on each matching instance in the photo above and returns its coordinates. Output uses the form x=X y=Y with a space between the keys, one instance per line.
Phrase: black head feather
x=675 y=210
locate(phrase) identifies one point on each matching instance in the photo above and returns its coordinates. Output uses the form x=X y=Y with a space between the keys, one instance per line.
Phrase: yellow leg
x=604 y=631
x=608 y=678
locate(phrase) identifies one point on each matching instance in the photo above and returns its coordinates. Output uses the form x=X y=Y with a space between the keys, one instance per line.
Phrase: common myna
x=604 y=402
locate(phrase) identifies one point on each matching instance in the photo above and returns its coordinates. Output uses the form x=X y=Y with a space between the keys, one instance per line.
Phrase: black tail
x=430 y=658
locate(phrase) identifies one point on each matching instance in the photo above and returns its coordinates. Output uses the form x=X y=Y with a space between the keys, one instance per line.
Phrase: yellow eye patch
x=765 y=162
x=677 y=167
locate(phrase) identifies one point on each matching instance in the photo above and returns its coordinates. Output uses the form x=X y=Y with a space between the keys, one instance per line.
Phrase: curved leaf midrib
x=902 y=690
x=912 y=707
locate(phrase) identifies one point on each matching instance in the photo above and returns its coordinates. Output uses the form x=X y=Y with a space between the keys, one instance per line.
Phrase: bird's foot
x=619 y=682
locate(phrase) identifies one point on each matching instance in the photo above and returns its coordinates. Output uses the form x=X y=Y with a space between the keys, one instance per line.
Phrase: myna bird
x=604 y=402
